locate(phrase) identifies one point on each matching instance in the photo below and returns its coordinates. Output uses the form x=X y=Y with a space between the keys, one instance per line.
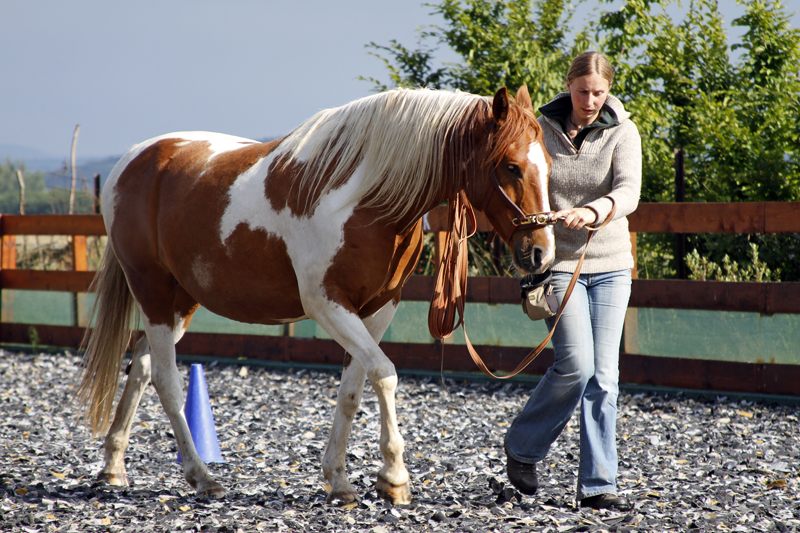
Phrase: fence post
x=8 y=261
x=680 y=196
x=21 y=180
x=96 y=203
x=80 y=263
x=630 y=331
x=74 y=175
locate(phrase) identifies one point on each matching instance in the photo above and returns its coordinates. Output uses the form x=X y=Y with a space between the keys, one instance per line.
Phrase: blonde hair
x=588 y=63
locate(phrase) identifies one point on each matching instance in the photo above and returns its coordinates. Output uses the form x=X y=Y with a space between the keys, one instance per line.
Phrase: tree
x=501 y=43
x=737 y=119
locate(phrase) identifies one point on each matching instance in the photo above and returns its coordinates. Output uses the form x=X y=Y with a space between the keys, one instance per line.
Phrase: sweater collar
x=611 y=114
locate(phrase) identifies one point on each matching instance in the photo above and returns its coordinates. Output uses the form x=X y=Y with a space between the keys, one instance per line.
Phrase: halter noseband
x=521 y=221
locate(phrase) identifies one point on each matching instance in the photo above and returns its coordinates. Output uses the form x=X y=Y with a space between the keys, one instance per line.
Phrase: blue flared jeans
x=585 y=372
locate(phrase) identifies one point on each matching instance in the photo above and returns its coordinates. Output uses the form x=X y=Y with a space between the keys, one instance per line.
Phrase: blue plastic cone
x=200 y=419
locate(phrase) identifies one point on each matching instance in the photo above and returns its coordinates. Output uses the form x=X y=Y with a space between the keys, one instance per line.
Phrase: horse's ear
x=523 y=98
x=500 y=105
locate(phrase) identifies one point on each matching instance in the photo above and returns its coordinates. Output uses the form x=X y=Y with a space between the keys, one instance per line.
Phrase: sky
x=130 y=70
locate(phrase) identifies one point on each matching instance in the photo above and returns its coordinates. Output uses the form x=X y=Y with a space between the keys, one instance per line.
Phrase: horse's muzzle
x=532 y=257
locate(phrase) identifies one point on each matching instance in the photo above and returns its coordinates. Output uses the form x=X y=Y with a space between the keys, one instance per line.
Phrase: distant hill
x=39 y=161
x=98 y=166
x=34 y=160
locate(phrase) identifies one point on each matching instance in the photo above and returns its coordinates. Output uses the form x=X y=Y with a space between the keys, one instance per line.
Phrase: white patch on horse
x=378 y=322
x=162 y=340
x=217 y=143
x=201 y=271
x=311 y=241
x=247 y=201
x=537 y=158
x=179 y=329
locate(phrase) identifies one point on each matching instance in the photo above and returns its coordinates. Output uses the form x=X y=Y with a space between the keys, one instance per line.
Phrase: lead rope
x=451 y=278
x=449 y=294
x=450 y=290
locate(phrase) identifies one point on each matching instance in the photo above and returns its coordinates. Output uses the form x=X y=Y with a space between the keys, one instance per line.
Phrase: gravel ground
x=688 y=464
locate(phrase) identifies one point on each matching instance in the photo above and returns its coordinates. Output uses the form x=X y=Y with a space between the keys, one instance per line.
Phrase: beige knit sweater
x=608 y=163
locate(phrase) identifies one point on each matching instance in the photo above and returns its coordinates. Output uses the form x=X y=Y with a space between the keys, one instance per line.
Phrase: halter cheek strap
x=521 y=220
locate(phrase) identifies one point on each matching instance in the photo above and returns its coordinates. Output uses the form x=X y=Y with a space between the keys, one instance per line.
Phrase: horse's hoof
x=397 y=494
x=342 y=497
x=214 y=491
x=118 y=480
x=344 y=493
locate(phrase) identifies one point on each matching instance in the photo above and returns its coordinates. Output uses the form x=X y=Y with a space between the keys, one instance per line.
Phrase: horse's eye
x=514 y=169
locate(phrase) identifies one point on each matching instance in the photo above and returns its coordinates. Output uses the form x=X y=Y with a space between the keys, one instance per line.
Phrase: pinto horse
x=323 y=224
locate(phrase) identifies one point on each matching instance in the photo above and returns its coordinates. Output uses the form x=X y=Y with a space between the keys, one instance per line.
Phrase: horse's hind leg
x=334 y=466
x=351 y=388
x=118 y=437
x=168 y=382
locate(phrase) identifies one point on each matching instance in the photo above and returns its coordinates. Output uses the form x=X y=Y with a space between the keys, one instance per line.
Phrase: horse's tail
x=105 y=343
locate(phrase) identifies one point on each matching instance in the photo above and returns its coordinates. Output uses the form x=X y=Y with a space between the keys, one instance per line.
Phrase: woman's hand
x=577 y=217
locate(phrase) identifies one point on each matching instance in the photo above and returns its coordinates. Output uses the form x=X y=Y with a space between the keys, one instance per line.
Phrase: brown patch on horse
x=384 y=258
x=408 y=248
x=252 y=295
x=282 y=188
x=248 y=295
x=157 y=247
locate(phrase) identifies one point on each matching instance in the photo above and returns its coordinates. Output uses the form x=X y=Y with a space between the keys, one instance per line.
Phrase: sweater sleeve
x=627 y=180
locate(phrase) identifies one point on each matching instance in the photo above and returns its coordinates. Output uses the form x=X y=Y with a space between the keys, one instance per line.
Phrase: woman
x=597 y=161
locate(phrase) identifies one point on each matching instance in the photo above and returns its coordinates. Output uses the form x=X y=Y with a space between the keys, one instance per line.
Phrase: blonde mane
x=399 y=137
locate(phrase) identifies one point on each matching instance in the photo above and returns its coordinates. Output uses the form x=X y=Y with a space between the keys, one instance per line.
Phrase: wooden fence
x=767 y=378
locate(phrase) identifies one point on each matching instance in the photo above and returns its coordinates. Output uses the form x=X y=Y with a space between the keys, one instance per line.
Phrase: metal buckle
x=538 y=219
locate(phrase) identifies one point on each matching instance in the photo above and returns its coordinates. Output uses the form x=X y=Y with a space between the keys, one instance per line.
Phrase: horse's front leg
x=334 y=466
x=118 y=436
x=352 y=333
x=393 y=478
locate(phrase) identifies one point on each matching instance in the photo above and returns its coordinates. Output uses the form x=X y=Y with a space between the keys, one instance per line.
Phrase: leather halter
x=521 y=220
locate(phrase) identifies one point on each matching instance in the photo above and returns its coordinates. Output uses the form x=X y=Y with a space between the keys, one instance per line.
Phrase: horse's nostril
x=537 y=256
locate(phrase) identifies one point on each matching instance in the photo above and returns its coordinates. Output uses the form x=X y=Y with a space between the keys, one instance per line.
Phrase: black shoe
x=522 y=475
x=607 y=501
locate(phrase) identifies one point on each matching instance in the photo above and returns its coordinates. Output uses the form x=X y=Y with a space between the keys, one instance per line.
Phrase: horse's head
x=514 y=193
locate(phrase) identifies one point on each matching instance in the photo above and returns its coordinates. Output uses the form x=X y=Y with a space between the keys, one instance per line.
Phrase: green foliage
x=736 y=120
x=755 y=270
x=733 y=109
x=500 y=43
x=780 y=252
x=37 y=198
x=33 y=336
x=482 y=262
x=655 y=255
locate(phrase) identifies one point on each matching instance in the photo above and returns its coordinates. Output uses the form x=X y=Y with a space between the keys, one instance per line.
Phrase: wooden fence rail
x=762 y=217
